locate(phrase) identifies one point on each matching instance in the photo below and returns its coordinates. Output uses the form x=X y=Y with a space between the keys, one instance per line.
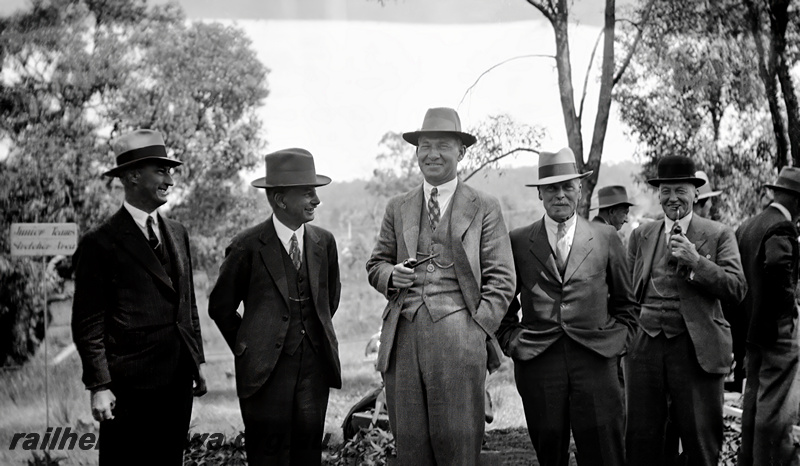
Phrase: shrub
x=369 y=447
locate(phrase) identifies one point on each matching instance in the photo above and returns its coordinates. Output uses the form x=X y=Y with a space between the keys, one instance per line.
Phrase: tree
x=77 y=73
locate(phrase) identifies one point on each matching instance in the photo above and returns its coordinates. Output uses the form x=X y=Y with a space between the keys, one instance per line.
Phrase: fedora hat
x=139 y=146
x=290 y=167
x=676 y=169
x=609 y=196
x=440 y=120
x=788 y=180
x=555 y=167
x=706 y=190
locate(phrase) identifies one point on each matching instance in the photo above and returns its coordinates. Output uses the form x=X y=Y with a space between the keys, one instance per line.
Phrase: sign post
x=44 y=239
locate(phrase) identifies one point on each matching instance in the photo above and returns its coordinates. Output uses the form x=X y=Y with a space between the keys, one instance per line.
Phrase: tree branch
x=497 y=65
x=495 y=159
x=548 y=13
x=640 y=31
x=588 y=70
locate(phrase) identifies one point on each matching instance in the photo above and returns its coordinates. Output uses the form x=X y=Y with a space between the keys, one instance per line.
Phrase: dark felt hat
x=290 y=167
x=676 y=169
x=141 y=145
x=440 y=120
x=609 y=196
x=788 y=180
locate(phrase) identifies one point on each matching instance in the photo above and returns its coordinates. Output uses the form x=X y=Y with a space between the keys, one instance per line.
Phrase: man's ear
x=540 y=194
x=462 y=150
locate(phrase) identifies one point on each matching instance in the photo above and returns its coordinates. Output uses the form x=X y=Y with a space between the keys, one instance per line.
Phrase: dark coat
x=124 y=319
x=253 y=272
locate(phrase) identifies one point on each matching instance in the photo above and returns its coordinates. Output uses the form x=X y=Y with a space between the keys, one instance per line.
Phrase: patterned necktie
x=562 y=251
x=294 y=252
x=433 y=208
x=151 y=234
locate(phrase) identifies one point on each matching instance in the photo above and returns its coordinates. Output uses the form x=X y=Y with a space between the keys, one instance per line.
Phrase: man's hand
x=402 y=276
x=684 y=250
x=103 y=402
x=199 y=388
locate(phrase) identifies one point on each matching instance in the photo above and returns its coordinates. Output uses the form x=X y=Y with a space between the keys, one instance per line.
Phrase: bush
x=369 y=447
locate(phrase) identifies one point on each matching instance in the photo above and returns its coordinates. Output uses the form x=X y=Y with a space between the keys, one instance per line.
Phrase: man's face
x=296 y=205
x=677 y=199
x=618 y=216
x=438 y=157
x=151 y=183
x=703 y=208
x=560 y=199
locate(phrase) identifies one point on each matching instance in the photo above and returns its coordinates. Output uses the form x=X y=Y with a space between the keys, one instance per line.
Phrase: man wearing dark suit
x=286 y=354
x=577 y=315
x=683 y=267
x=613 y=205
x=433 y=351
x=769 y=249
x=134 y=317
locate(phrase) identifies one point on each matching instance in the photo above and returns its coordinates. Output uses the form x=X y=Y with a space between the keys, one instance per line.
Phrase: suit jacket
x=253 y=272
x=124 y=319
x=717 y=277
x=592 y=303
x=769 y=250
x=483 y=261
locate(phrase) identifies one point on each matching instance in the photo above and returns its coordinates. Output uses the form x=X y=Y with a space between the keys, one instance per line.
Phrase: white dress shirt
x=140 y=217
x=552 y=231
x=446 y=191
x=285 y=234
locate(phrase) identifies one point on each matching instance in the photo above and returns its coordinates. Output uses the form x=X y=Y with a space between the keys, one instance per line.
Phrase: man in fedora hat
x=683 y=267
x=286 y=272
x=577 y=315
x=705 y=196
x=134 y=317
x=440 y=314
x=613 y=205
x=769 y=250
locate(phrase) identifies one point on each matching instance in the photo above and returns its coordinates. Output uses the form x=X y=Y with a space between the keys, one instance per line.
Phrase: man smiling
x=683 y=267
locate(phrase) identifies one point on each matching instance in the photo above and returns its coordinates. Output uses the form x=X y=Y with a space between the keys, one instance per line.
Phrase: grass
x=22 y=390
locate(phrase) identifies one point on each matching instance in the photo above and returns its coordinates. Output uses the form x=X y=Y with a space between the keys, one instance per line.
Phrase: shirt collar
x=285 y=233
x=445 y=189
x=783 y=210
x=140 y=216
x=683 y=222
x=552 y=225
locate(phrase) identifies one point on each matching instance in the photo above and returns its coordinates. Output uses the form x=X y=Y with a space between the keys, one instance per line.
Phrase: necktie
x=294 y=252
x=151 y=234
x=562 y=249
x=433 y=208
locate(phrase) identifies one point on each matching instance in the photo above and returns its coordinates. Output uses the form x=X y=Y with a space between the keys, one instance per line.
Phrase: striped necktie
x=433 y=208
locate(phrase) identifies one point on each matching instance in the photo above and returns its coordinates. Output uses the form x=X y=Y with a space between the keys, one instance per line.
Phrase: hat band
x=140 y=153
x=294 y=177
x=788 y=183
x=557 y=169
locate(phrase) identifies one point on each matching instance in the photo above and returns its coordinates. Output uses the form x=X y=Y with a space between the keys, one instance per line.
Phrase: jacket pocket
x=721 y=322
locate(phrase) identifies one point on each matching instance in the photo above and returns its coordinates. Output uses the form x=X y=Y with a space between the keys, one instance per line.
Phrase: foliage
x=45 y=459
x=77 y=73
x=202 y=452
x=369 y=447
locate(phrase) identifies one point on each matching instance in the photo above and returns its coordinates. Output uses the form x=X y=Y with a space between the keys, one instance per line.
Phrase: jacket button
x=285 y=318
x=302 y=332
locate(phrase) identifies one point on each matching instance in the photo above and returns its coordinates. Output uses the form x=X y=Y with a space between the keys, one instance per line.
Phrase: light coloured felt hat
x=706 y=190
x=290 y=167
x=139 y=146
x=555 y=167
x=440 y=120
x=609 y=196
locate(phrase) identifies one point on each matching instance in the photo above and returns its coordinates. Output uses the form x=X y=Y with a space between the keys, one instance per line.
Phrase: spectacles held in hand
x=413 y=263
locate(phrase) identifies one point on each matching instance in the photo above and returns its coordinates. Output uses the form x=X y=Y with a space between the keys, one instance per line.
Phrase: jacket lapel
x=410 y=211
x=540 y=247
x=271 y=255
x=650 y=238
x=462 y=212
x=581 y=247
x=696 y=234
x=314 y=255
x=174 y=246
x=132 y=240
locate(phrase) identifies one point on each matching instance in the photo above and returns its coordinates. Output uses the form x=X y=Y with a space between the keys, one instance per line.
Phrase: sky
x=345 y=72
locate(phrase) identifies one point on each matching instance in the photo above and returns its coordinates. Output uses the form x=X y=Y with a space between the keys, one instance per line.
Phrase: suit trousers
x=570 y=387
x=150 y=426
x=285 y=419
x=435 y=390
x=771 y=400
x=665 y=382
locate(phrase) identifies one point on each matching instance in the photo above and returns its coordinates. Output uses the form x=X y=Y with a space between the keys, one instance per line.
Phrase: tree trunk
x=560 y=24
x=779 y=19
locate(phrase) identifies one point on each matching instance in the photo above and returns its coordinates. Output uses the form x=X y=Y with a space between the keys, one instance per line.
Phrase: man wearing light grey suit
x=442 y=314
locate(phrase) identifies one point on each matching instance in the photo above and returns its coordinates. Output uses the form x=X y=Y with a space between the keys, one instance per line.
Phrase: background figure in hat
x=286 y=354
x=705 y=195
x=613 y=205
x=769 y=249
x=683 y=267
x=577 y=316
x=134 y=317
x=440 y=315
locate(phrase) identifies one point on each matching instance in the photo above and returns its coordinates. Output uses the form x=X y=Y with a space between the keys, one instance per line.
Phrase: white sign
x=43 y=239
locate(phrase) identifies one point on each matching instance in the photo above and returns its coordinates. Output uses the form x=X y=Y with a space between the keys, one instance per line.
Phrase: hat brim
x=413 y=136
x=707 y=195
x=116 y=171
x=559 y=179
x=261 y=183
x=697 y=182
x=604 y=206
x=782 y=188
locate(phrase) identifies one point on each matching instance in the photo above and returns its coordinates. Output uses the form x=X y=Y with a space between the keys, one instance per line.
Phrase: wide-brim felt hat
x=705 y=191
x=440 y=120
x=788 y=180
x=290 y=167
x=137 y=147
x=610 y=196
x=676 y=169
x=555 y=167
